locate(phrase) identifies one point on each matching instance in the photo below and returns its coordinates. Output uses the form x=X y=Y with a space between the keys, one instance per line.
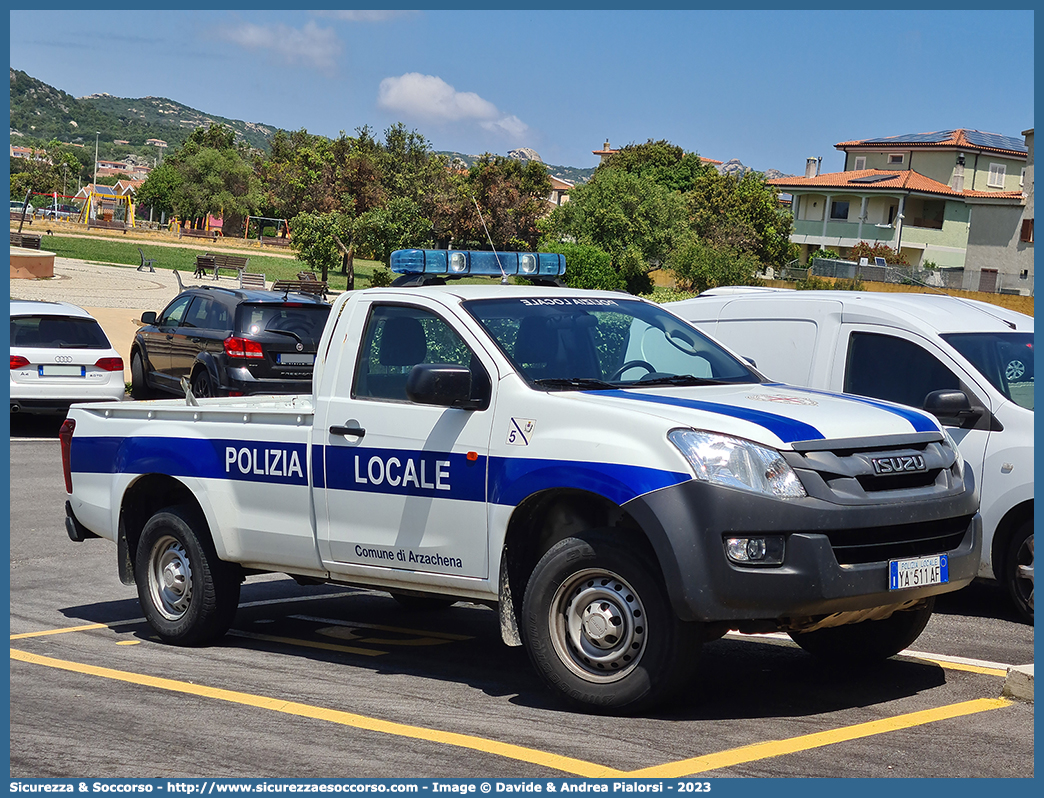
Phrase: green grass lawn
x=183 y=258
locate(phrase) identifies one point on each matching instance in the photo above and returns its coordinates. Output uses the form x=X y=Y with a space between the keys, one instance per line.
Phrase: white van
x=922 y=350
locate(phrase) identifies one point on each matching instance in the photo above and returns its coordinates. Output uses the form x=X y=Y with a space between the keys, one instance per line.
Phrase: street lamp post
x=94 y=186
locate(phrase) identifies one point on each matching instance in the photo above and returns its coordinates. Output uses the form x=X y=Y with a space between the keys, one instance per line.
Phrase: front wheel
x=599 y=627
x=189 y=595
x=1018 y=570
x=867 y=641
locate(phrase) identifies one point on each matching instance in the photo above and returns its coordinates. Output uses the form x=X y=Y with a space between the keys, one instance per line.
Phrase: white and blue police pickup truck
x=618 y=485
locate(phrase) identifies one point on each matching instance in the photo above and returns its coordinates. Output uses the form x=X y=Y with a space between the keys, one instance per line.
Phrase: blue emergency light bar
x=460 y=263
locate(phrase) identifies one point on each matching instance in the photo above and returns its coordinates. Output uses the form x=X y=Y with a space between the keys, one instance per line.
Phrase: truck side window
x=399 y=337
x=885 y=367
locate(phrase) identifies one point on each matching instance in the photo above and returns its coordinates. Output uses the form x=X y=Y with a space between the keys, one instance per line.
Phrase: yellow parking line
x=750 y=753
x=963 y=666
x=564 y=764
x=577 y=767
x=62 y=631
x=293 y=641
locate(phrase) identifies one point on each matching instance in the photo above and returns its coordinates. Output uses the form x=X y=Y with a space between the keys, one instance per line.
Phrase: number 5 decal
x=520 y=431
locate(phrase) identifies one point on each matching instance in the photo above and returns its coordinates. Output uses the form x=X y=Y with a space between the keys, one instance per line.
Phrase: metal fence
x=904 y=275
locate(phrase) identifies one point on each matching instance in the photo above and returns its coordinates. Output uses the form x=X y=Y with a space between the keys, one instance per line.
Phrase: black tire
x=867 y=641
x=423 y=603
x=599 y=627
x=189 y=595
x=139 y=387
x=1018 y=570
x=202 y=385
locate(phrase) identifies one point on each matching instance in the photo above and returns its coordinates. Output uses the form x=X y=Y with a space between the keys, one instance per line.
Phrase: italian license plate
x=58 y=370
x=903 y=574
x=290 y=359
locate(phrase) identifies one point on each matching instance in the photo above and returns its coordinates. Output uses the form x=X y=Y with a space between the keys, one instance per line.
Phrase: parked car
x=907 y=348
x=60 y=355
x=61 y=212
x=228 y=342
x=16 y=207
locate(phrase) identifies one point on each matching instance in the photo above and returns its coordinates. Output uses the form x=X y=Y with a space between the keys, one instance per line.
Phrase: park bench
x=190 y=233
x=310 y=287
x=251 y=280
x=275 y=241
x=25 y=240
x=107 y=224
x=146 y=263
x=17 y=216
x=205 y=263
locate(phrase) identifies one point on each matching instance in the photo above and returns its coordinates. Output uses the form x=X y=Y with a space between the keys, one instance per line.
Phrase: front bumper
x=686 y=524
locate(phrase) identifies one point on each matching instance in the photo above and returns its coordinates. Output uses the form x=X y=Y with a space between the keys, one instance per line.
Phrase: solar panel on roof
x=994 y=141
x=915 y=138
x=871 y=178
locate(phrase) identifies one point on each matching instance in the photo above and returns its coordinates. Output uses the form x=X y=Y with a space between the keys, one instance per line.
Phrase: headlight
x=737 y=463
x=959 y=462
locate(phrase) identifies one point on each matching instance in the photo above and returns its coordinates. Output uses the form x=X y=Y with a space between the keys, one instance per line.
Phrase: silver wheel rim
x=1015 y=370
x=170 y=578
x=1024 y=571
x=598 y=625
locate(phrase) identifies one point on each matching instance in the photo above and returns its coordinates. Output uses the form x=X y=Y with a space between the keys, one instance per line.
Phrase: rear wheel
x=202 y=385
x=867 y=641
x=599 y=627
x=1018 y=570
x=188 y=594
x=139 y=388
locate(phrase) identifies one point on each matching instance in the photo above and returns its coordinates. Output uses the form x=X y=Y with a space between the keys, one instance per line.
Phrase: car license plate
x=290 y=359
x=61 y=371
x=918 y=572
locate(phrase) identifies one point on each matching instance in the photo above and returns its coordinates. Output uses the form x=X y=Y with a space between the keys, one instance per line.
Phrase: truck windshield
x=1005 y=359
x=575 y=343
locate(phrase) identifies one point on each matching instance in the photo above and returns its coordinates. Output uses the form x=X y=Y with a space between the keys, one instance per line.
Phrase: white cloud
x=431 y=98
x=309 y=46
x=365 y=16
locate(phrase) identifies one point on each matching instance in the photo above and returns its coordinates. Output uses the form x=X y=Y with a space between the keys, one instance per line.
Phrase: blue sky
x=770 y=88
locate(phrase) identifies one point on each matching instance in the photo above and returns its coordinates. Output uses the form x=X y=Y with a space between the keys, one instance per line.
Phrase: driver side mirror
x=950 y=405
x=148 y=317
x=442 y=384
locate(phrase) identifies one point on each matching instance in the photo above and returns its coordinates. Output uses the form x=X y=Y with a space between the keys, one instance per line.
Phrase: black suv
x=228 y=342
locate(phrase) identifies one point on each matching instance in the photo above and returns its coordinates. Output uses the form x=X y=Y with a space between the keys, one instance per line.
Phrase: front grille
x=877 y=544
x=845 y=474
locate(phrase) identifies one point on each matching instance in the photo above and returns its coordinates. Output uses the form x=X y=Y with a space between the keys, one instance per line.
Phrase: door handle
x=355 y=430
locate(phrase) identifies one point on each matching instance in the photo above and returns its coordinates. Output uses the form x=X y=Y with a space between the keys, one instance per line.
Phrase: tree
x=315 y=239
x=296 y=175
x=742 y=213
x=46 y=171
x=699 y=264
x=662 y=162
x=587 y=266
x=214 y=176
x=501 y=201
x=633 y=218
x=157 y=192
x=396 y=225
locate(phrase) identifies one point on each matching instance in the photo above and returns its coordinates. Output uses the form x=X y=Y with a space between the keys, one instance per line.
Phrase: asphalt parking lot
x=335 y=681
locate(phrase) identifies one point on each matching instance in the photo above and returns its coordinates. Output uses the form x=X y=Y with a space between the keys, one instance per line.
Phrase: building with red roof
x=920 y=194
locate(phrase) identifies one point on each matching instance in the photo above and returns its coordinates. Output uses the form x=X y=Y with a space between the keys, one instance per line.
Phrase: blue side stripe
x=250 y=461
x=512 y=479
x=406 y=472
x=917 y=419
x=445 y=475
x=786 y=429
